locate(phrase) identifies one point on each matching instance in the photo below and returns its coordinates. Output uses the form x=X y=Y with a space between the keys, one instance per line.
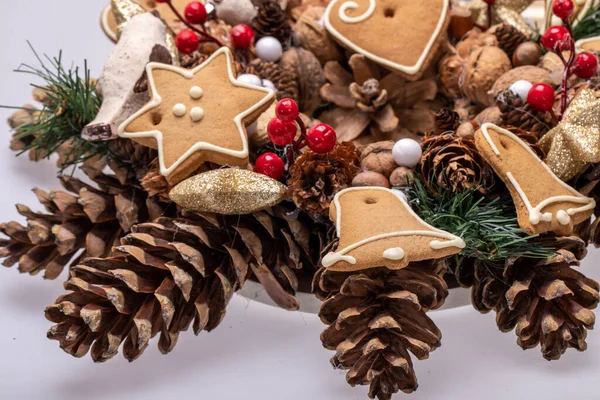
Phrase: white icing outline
x=334 y=257
x=112 y=35
x=352 y=5
x=407 y=69
x=580 y=42
x=189 y=74
x=535 y=213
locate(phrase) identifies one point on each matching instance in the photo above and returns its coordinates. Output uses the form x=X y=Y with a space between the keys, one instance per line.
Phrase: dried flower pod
x=483 y=67
x=311 y=35
x=377 y=157
x=450 y=70
x=370 y=178
x=310 y=75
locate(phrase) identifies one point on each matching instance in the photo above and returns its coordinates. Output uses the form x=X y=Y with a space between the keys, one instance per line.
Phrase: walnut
x=467 y=129
x=450 y=70
x=527 y=72
x=491 y=115
x=370 y=178
x=402 y=176
x=311 y=35
x=377 y=157
x=473 y=40
x=483 y=67
x=310 y=77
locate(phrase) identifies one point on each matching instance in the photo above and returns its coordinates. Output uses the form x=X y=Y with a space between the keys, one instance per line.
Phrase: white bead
x=269 y=85
x=521 y=88
x=250 y=79
x=269 y=49
x=400 y=194
x=407 y=153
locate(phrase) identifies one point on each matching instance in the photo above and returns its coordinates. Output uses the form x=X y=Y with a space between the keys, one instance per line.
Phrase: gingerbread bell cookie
x=401 y=35
x=543 y=202
x=377 y=228
x=197 y=116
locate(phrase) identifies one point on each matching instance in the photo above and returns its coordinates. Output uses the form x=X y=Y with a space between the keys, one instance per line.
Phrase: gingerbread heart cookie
x=402 y=35
x=543 y=202
x=377 y=228
x=197 y=116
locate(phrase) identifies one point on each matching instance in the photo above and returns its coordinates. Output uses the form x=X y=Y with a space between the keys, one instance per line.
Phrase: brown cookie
x=197 y=116
x=401 y=35
x=377 y=228
x=543 y=202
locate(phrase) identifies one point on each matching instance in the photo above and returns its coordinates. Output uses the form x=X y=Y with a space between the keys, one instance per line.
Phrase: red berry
x=287 y=110
x=187 y=41
x=541 y=97
x=242 y=36
x=270 y=164
x=563 y=9
x=321 y=138
x=585 y=65
x=195 y=13
x=556 y=38
x=281 y=132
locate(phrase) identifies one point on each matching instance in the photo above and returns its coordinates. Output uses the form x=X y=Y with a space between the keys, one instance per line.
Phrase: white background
x=258 y=352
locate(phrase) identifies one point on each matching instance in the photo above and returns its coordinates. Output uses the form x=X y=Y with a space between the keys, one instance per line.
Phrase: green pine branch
x=72 y=102
x=488 y=225
x=589 y=25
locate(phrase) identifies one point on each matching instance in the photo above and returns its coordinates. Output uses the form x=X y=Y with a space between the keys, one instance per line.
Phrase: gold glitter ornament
x=503 y=11
x=229 y=191
x=575 y=141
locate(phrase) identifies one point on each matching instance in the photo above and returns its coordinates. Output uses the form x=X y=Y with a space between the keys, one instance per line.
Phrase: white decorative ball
x=521 y=88
x=400 y=194
x=269 y=85
x=250 y=79
x=269 y=49
x=407 y=153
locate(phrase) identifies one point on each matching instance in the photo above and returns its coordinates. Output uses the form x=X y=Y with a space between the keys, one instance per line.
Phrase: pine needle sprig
x=70 y=102
x=588 y=25
x=488 y=225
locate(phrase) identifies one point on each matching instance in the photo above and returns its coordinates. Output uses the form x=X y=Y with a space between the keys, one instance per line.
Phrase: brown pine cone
x=520 y=115
x=546 y=300
x=446 y=120
x=454 y=163
x=271 y=20
x=375 y=317
x=284 y=79
x=509 y=38
x=316 y=178
x=173 y=273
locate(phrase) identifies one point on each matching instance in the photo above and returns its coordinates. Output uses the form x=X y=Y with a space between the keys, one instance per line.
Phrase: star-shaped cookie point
x=197 y=116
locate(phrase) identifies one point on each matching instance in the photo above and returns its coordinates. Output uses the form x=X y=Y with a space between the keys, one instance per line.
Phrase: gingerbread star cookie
x=401 y=35
x=543 y=202
x=377 y=228
x=197 y=116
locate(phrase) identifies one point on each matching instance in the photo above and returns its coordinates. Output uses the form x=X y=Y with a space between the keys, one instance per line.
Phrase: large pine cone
x=284 y=79
x=316 y=178
x=81 y=217
x=172 y=272
x=515 y=113
x=454 y=163
x=547 y=301
x=375 y=317
x=271 y=20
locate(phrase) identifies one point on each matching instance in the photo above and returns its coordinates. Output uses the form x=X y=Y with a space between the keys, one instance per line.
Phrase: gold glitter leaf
x=228 y=191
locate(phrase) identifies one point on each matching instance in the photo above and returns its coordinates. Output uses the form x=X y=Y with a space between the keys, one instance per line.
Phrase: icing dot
x=196 y=92
x=563 y=218
x=196 y=113
x=179 y=110
x=395 y=253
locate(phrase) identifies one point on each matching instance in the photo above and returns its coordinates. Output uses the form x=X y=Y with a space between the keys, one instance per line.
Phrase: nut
x=491 y=115
x=483 y=67
x=310 y=75
x=467 y=130
x=473 y=40
x=312 y=35
x=370 y=178
x=377 y=157
x=527 y=53
x=402 y=176
x=528 y=73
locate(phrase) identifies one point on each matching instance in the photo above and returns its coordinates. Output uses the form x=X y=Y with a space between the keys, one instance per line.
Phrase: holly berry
x=563 y=9
x=187 y=41
x=242 y=36
x=287 y=110
x=541 y=97
x=281 y=132
x=585 y=65
x=556 y=38
x=195 y=13
x=321 y=138
x=270 y=164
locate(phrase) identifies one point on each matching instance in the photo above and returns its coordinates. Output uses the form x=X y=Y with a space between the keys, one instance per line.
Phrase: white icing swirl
x=352 y=5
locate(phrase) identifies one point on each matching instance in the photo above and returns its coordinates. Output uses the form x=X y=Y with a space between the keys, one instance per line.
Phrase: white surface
x=258 y=352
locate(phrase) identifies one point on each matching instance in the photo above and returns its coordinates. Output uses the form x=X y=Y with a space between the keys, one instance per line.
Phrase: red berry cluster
x=282 y=131
x=559 y=39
